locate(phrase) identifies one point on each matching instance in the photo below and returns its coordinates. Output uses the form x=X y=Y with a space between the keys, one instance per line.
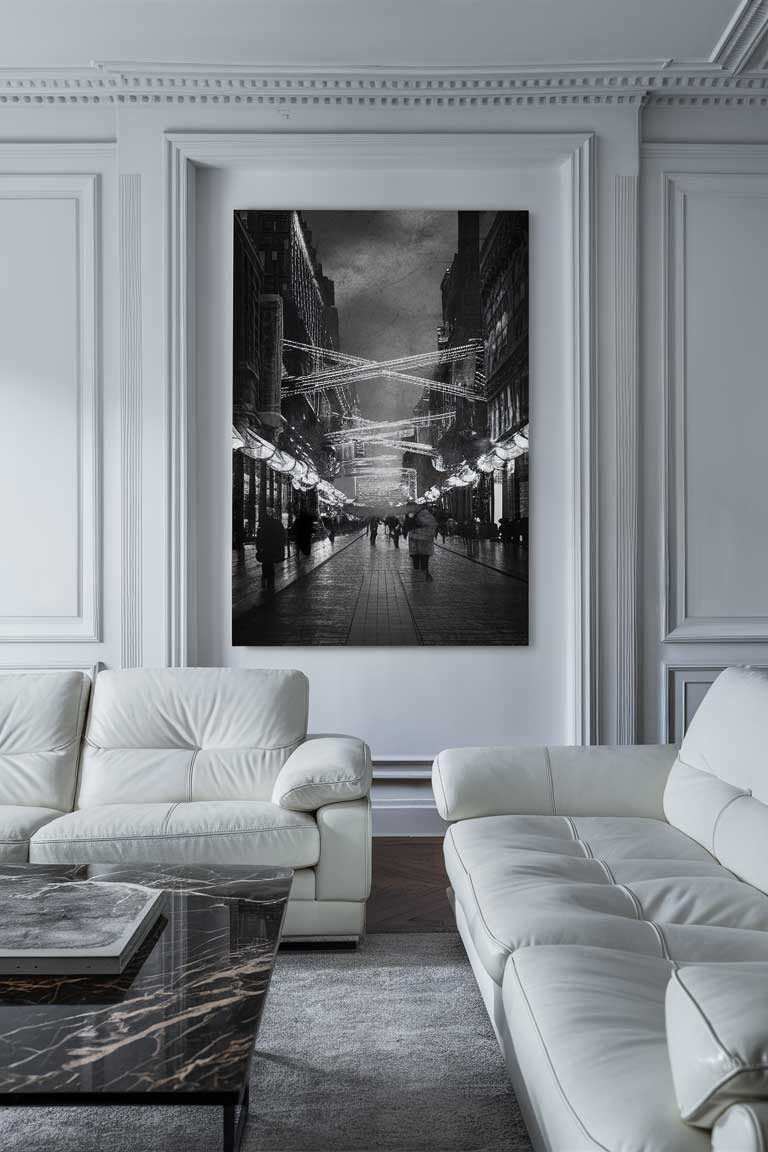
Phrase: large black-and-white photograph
x=380 y=428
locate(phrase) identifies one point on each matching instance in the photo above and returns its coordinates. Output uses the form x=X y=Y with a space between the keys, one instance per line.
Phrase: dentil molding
x=661 y=82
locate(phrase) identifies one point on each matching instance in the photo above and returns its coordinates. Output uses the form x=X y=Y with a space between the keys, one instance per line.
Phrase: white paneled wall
x=705 y=410
x=648 y=476
x=55 y=203
x=48 y=436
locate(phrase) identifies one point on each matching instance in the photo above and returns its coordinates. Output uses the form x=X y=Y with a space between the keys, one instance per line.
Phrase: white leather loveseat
x=196 y=766
x=613 y=905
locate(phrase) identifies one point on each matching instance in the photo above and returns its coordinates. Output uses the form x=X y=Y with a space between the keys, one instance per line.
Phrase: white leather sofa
x=197 y=766
x=612 y=902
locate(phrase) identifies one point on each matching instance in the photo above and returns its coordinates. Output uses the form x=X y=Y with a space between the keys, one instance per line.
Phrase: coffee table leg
x=235 y=1118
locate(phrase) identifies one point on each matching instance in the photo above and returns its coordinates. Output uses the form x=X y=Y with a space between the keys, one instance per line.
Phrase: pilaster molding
x=131 y=418
x=744 y=44
x=627 y=419
x=712 y=83
x=572 y=154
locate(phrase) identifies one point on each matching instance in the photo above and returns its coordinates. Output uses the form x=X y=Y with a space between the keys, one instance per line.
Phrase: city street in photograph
x=380 y=428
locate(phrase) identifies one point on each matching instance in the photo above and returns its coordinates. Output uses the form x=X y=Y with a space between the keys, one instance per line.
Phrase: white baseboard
x=403 y=804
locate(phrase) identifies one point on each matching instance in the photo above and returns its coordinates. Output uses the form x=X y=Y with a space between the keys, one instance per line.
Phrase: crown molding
x=705 y=84
x=743 y=46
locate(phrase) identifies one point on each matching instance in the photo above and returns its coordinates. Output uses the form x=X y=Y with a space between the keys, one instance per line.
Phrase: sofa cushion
x=17 y=825
x=588 y=1028
x=614 y=882
x=324 y=770
x=219 y=832
x=41 y=722
x=190 y=734
x=717 y=1035
x=595 y=780
x=742 y=1128
x=717 y=791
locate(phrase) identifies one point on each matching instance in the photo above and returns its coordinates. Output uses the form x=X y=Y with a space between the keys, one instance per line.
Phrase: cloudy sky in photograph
x=387 y=268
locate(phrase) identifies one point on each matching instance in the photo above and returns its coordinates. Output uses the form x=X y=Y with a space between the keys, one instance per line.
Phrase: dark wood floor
x=408 y=887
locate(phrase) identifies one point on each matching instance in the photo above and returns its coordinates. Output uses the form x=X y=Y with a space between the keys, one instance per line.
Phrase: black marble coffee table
x=178 y=1025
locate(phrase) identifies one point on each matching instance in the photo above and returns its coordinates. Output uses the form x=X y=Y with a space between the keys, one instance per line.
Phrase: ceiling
x=423 y=34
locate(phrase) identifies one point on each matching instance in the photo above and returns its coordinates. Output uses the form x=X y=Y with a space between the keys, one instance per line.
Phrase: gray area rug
x=388 y=1047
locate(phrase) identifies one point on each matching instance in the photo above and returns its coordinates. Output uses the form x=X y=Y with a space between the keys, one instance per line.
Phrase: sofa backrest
x=717 y=791
x=41 y=725
x=190 y=734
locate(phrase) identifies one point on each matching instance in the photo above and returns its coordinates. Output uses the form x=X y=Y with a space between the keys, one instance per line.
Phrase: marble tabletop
x=181 y=1018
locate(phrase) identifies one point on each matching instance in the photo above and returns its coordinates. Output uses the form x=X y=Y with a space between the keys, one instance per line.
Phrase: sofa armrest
x=717 y=1037
x=323 y=770
x=343 y=871
x=627 y=780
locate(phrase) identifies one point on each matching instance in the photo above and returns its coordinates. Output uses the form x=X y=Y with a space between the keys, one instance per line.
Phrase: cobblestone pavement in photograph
x=371 y=595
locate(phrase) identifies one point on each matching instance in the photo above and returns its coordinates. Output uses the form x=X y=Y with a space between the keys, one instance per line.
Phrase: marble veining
x=77 y=917
x=184 y=1014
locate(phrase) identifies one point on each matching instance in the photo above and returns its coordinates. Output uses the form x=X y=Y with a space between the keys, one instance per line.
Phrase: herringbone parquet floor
x=408 y=889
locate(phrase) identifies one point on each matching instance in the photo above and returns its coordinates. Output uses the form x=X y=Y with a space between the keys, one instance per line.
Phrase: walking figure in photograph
x=270 y=549
x=373 y=528
x=303 y=527
x=421 y=540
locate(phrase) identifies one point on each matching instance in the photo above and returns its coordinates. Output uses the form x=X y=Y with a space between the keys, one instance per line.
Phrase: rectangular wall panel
x=685 y=686
x=49 y=516
x=717 y=543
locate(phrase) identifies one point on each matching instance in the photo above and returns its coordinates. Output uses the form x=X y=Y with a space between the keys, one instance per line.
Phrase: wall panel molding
x=130 y=411
x=131 y=419
x=726 y=171
x=681 y=684
x=572 y=158
x=627 y=423
x=26 y=174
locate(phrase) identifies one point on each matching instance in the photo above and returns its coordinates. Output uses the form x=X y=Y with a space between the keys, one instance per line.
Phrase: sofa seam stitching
x=44 y=751
x=756 y=1127
x=327 y=783
x=661 y=938
x=637 y=906
x=557 y=1080
x=191 y=747
x=169 y=813
x=709 y=1026
x=722 y=1082
x=190 y=774
x=584 y=843
x=171 y=835
x=548 y=759
x=442 y=785
x=746 y=795
x=506 y=947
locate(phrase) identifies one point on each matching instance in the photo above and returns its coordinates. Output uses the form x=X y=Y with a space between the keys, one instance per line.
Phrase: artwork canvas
x=380 y=427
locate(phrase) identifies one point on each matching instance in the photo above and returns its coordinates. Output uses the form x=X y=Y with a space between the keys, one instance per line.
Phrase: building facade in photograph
x=504 y=301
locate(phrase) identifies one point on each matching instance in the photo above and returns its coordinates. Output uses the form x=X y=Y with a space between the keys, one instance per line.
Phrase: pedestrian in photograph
x=303 y=528
x=373 y=528
x=421 y=539
x=270 y=549
x=395 y=532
